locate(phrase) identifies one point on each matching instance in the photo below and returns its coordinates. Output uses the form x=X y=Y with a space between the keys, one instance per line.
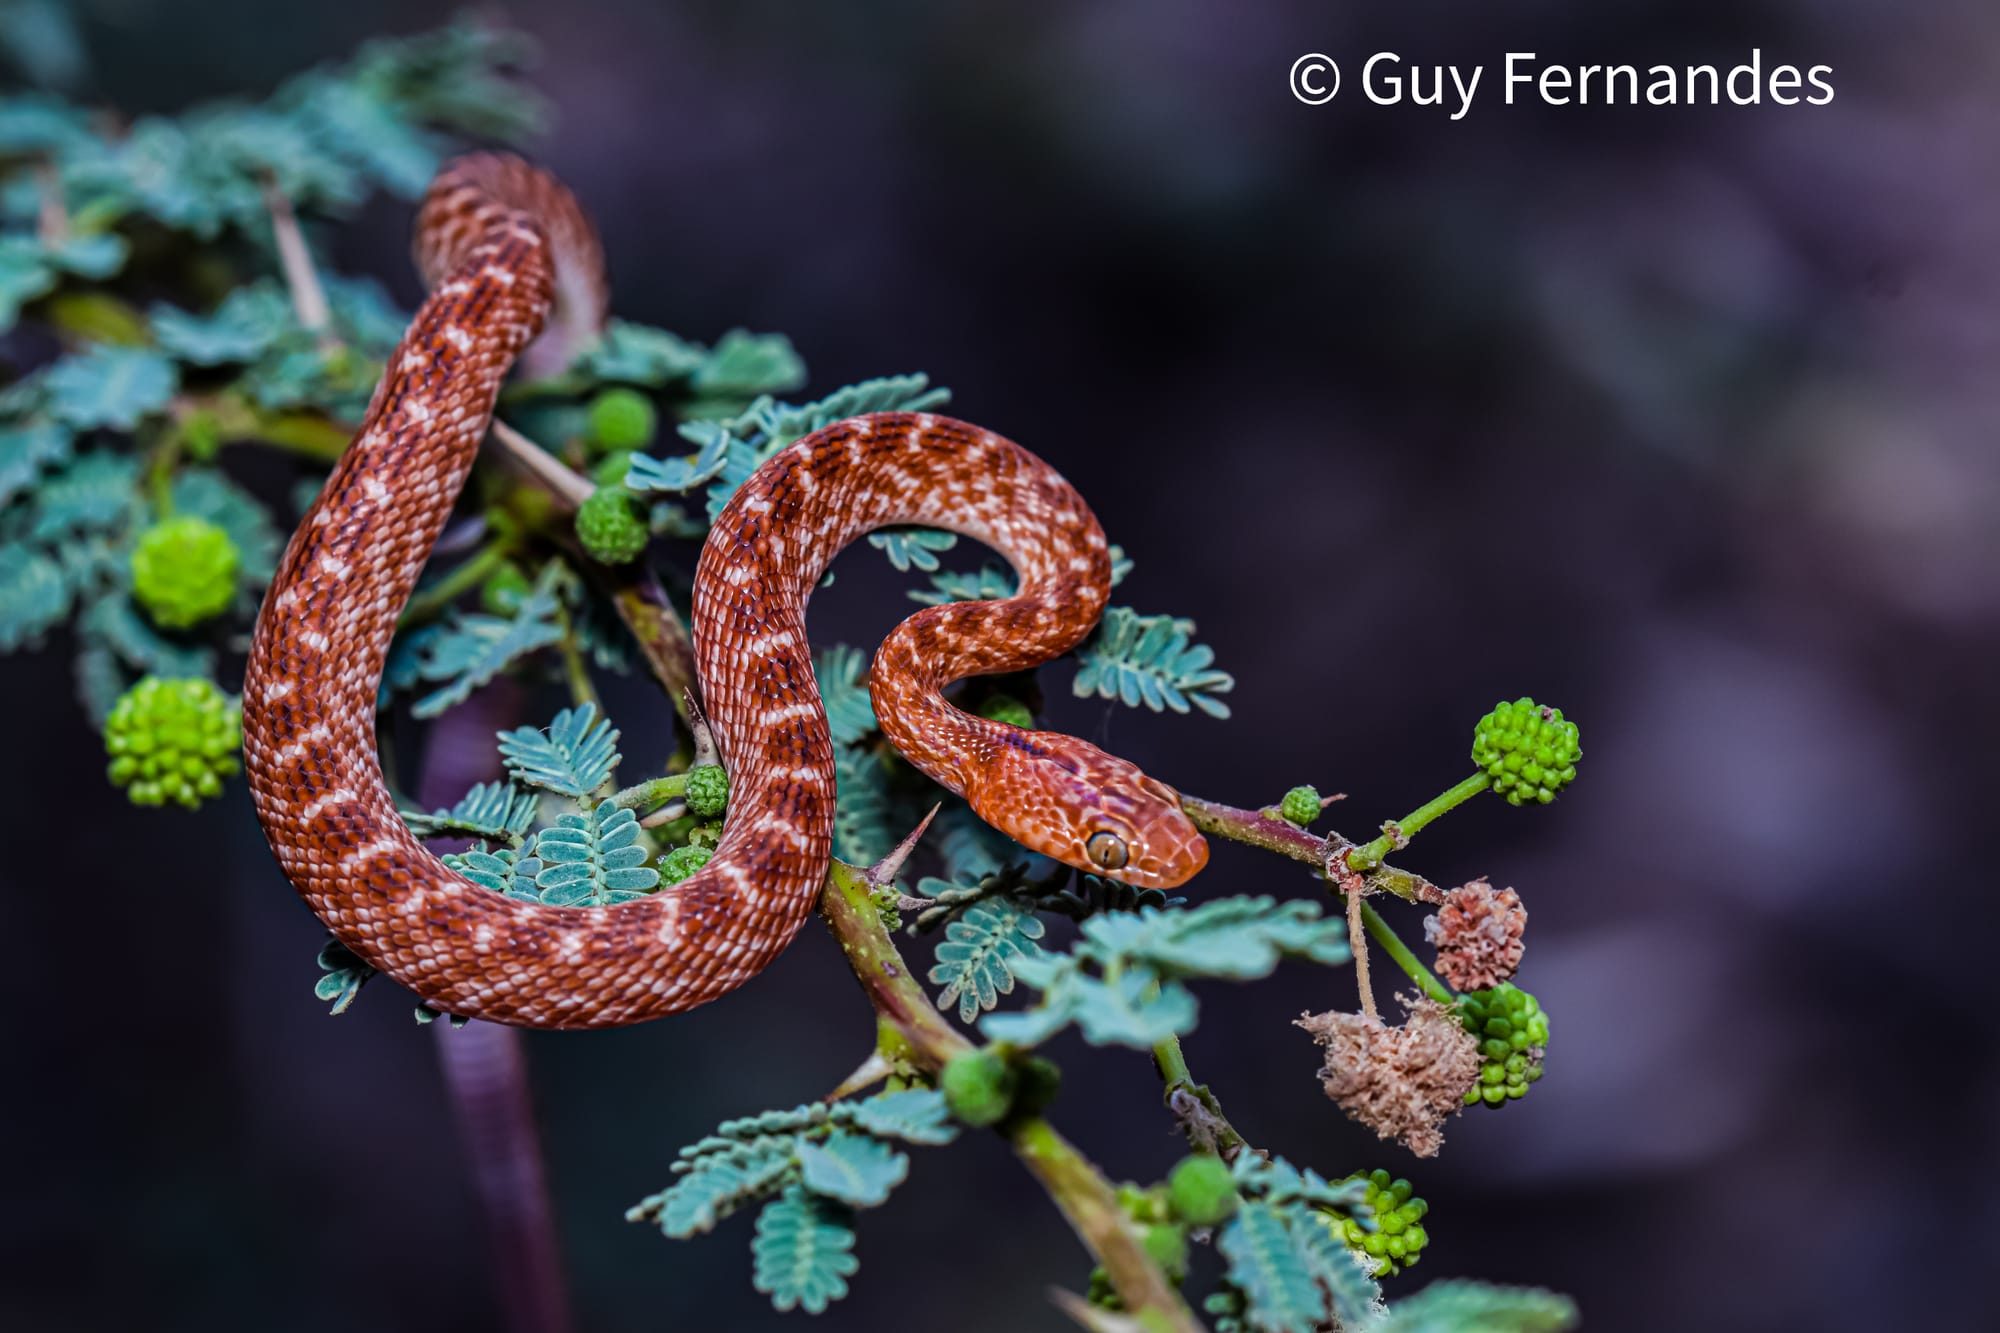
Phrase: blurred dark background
x=1680 y=417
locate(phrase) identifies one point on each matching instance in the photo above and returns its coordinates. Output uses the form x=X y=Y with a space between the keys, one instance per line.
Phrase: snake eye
x=1107 y=850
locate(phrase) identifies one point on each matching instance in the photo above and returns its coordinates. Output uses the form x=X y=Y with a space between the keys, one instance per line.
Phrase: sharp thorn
x=883 y=873
x=871 y=1071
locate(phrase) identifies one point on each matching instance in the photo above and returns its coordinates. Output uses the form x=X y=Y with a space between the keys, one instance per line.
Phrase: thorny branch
x=913 y=1033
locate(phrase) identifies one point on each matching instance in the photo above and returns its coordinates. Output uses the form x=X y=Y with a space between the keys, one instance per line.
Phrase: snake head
x=1069 y=800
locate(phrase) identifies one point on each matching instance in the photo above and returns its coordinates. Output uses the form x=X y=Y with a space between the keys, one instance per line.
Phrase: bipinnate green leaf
x=1151 y=660
x=915 y=1115
x=864 y=815
x=25 y=274
x=1272 y=1268
x=856 y=1170
x=573 y=757
x=1134 y=1010
x=1275 y=1180
x=912 y=548
x=501 y=869
x=716 y=1187
x=111 y=386
x=34 y=596
x=96 y=492
x=744 y=364
x=842 y=673
x=593 y=859
x=1237 y=938
x=635 y=354
x=344 y=973
x=1347 y=1278
x=247 y=324
x=803 y=1252
x=973 y=961
x=680 y=473
x=474 y=648
x=494 y=811
x=990 y=583
x=27 y=449
x=1476 y=1307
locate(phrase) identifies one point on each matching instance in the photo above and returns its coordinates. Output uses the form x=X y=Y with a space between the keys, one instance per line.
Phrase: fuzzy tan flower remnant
x=1403 y=1081
x=1478 y=935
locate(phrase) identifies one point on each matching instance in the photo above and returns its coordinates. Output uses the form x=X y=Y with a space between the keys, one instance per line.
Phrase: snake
x=514 y=272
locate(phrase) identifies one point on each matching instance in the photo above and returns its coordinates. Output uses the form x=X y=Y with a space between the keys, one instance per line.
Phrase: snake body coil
x=503 y=244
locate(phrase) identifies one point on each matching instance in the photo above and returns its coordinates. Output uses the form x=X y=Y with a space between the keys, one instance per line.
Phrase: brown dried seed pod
x=1478 y=935
x=1403 y=1081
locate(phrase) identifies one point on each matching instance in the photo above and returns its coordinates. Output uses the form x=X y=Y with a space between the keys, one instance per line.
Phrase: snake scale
x=507 y=253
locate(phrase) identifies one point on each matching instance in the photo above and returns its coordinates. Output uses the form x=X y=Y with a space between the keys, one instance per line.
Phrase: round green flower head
x=184 y=571
x=173 y=740
x=707 y=790
x=1527 y=751
x=1006 y=708
x=1399 y=1237
x=1201 y=1191
x=1513 y=1033
x=611 y=525
x=1166 y=1244
x=681 y=862
x=1301 y=806
x=978 y=1086
x=622 y=419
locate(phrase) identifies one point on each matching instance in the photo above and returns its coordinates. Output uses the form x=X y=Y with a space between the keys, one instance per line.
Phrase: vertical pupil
x=1107 y=850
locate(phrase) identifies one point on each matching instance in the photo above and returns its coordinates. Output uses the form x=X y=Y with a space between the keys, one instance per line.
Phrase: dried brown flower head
x=1403 y=1081
x=1478 y=935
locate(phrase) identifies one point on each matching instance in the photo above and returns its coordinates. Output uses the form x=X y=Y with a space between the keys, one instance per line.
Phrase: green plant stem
x=1399 y=833
x=576 y=672
x=652 y=793
x=1197 y=1109
x=433 y=600
x=1078 y=1189
x=1275 y=835
x=1392 y=944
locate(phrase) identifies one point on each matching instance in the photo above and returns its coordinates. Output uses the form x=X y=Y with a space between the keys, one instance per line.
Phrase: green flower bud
x=611 y=525
x=1398 y=1238
x=707 y=790
x=1166 y=1244
x=504 y=590
x=1527 y=751
x=1301 y=806
x=978 y=1087
x=1201 y=1192
x=622 y=419
x=681 y=862
x=1006 y=708
x=1515 y=1034
x=184 y=571
x=173 y=740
